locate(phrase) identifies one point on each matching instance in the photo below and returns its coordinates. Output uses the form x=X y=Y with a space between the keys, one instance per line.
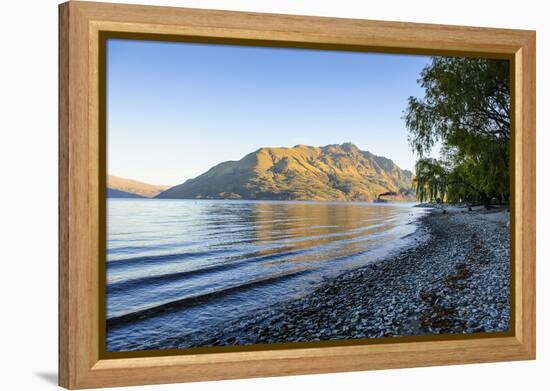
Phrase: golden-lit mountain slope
x=333 y=172
x=121 y=187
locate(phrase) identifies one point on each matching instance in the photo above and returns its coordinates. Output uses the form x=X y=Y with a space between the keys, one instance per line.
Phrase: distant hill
x=333 y=172
x=113 y=193
x=128 y=188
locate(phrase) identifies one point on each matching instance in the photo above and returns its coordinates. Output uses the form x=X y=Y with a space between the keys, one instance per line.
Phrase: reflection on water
x=341 y=229
x=178 y=266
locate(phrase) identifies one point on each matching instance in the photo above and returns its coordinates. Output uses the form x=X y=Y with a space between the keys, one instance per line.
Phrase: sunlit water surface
x=180 y=266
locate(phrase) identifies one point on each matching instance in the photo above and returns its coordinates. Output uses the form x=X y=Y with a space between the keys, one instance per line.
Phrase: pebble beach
x=454 y=279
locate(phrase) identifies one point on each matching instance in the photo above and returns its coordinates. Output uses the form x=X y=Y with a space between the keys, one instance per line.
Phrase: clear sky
x=176 y=109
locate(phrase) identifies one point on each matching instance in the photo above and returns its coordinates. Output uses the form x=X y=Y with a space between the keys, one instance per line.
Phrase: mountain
x=128 y=188
x=113 y=193
x=333 y=172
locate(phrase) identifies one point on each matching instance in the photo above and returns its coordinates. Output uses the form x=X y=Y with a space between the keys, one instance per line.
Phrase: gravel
x=455 y=281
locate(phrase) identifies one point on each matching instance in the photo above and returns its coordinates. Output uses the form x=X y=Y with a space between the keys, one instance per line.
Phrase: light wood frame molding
x=80 y=24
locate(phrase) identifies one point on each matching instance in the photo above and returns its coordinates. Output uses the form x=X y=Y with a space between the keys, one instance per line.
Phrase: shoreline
x=455 y=281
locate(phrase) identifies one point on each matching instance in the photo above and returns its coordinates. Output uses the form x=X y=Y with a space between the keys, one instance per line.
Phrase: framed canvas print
x=248 y=195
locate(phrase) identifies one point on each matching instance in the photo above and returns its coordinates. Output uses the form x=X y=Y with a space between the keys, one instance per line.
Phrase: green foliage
x=466 y=108
x=431 y=180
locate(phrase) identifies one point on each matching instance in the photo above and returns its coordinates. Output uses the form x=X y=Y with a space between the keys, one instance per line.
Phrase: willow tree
x=466 y=108
x=431 y=180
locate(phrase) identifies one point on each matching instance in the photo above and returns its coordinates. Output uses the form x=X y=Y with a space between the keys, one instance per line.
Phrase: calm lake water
x=180 y=266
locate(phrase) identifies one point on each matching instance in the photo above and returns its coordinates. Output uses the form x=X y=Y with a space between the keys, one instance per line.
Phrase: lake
x=180 y=266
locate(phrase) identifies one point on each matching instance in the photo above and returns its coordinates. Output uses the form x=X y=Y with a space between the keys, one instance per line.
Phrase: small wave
x=198 y=299
x=148 y=259
x=125 y=285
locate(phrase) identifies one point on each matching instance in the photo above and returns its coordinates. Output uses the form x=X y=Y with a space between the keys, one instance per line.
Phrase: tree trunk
x=486 y=201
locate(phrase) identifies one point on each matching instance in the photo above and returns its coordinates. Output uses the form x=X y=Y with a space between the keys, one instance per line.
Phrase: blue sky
x=176 y=109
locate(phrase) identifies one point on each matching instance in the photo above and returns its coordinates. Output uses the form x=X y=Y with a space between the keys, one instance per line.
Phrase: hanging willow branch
x=466 y=108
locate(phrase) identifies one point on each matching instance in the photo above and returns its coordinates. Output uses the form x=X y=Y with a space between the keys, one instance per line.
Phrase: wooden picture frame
x=81 y=186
